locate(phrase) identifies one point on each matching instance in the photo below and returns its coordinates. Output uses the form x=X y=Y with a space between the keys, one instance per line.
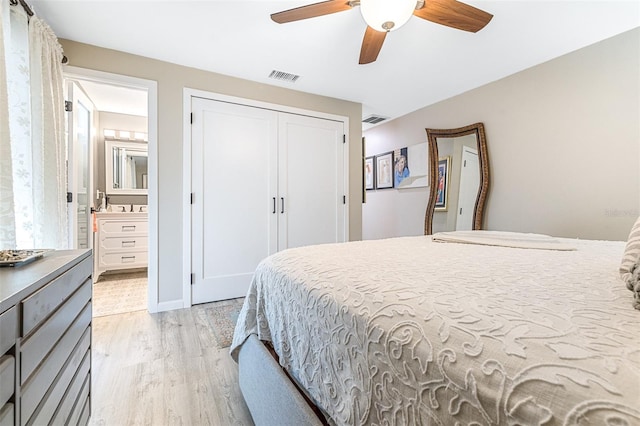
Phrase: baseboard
x=170 y=305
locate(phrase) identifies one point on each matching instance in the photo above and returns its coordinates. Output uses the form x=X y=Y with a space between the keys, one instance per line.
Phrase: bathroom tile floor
x=120 y=293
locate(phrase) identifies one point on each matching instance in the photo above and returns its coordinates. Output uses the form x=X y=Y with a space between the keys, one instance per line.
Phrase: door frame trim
x=151 y=86
x=188 y=94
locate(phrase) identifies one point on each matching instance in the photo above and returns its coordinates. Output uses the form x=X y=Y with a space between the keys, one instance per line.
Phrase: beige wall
x=172 y=79
x=564 y=147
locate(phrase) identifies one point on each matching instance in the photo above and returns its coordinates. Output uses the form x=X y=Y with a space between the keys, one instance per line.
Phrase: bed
x=411 y=331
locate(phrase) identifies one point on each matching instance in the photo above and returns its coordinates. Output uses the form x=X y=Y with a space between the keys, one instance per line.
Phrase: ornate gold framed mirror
x=459 y=179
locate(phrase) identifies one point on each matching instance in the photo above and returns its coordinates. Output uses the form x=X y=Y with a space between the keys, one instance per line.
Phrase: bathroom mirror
x=459 y=179
x=126 y=168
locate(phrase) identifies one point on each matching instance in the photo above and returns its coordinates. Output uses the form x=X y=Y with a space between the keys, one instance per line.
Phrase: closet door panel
x=234 y=180
x=310 y=181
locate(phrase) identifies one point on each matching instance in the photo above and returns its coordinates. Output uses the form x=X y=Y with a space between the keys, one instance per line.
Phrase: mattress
x=407 y=331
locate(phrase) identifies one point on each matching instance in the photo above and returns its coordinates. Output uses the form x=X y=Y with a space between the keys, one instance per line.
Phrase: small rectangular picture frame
x=369 y=173
x=443 y=184
x=384 y=170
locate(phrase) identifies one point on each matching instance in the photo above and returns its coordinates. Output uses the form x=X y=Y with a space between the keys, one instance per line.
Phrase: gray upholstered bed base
x=269 y=393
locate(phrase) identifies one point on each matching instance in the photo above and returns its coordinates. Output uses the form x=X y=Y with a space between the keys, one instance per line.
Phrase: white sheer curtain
x=7 y=216
x=47 y=137
x=33 y=211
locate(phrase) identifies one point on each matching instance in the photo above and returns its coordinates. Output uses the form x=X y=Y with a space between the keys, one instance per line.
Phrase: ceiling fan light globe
x=386 y=15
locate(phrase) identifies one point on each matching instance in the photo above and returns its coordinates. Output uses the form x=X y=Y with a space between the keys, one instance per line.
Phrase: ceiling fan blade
x=311 y=11
x=371 y=45
x=454 y=14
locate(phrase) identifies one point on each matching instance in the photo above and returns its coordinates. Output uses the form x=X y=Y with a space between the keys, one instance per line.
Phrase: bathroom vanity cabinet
x=121 y=241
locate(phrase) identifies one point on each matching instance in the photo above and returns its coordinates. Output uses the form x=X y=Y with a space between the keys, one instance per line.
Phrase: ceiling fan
x=383 y=16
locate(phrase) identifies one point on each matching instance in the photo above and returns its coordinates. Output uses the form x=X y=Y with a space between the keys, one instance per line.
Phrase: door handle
x=274 y=205
x=282 y=203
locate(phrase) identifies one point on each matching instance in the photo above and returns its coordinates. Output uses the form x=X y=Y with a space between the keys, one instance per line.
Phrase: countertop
x=17 y=282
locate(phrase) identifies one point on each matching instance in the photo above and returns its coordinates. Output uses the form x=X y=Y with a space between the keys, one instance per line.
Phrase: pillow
x=631 y=256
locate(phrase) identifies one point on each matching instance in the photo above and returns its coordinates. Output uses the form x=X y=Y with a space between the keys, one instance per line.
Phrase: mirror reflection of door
x=79 y=165
x=469 y=184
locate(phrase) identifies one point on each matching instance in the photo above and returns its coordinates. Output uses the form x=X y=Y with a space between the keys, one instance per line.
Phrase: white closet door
x=234 y=155
x=311 y=181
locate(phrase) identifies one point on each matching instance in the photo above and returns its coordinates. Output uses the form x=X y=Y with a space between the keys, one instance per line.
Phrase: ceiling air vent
x=374 y=119
x=284 y=76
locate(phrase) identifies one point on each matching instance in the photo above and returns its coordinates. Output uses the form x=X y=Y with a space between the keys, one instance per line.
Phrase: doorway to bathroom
x=112 y=185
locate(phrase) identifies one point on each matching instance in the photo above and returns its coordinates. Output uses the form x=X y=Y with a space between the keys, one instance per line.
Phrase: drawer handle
x=128 y=259
x=128 y=227
x=129 y=243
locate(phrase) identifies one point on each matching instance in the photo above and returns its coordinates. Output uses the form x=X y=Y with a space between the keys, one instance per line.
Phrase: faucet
x=131 y=210
x=123 y=210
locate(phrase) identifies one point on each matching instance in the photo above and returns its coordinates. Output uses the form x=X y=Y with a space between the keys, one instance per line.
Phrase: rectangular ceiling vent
x=374 y=119
x=284 y=76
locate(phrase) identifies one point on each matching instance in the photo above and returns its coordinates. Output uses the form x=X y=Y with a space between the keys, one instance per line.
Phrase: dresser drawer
x=122 y=260
x=35 y=348
x=86 y=411
x=127 y=242
x=43 y=302
x=7 y=377
x=73 y=404
x=35 y=392
x=8 y=329
x=123 y=226
x=7 y=415
x=59 y=400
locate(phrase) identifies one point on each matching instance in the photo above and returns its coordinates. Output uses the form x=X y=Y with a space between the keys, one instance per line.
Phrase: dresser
x=45 y=340
x=121 y=242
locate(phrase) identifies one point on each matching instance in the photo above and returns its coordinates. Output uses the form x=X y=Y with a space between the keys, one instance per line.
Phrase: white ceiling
x=420 y=63
x=110 y=98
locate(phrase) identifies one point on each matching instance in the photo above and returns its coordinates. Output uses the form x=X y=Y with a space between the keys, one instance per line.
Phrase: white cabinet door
x=263 y=181
x=234 y=155
x=310 y=181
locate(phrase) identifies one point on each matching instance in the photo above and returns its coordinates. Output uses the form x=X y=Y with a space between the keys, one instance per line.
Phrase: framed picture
x=410 y=166
x=443 y=184
x=384 y=170
x=369 y=173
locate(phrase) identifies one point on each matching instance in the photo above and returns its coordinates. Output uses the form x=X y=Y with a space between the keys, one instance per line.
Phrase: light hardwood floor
x=162 y=369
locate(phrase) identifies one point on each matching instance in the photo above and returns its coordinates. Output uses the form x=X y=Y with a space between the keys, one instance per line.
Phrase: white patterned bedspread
x=406 y=331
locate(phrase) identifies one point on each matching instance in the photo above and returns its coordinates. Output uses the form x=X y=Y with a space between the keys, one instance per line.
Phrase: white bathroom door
x=234 y=182
x=311 y=181
x=80 y=167
x=469 y=185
